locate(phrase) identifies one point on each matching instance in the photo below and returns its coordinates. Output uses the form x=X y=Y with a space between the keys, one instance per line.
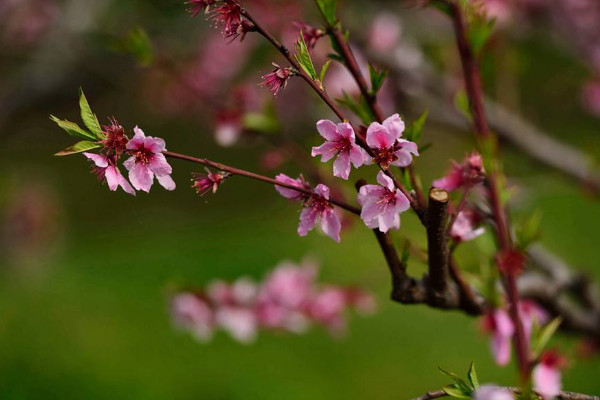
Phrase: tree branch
x=437 y=241
x=562 y=396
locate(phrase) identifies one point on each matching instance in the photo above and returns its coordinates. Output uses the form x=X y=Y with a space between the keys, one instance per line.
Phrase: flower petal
x=327 y=151
x=166 y=181
x=159 y=165
x=328 y=130
x=379 y=137
x=98 y=159
x=341 y=166
x=331 y=225
x=308 y=220
x=141 y=177
x=394 y=125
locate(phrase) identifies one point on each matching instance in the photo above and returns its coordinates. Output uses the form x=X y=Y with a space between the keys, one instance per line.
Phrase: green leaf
x=260 y=122
x=324 y=70
x=528 y=231
x=327 y=8
x=459 y=381
x=84 y=145
x=72 y=128
x=88 y=117
x=304 y=59
x=377 y=78
x=455 y=391
x=472 y=374
x=544 y=336
x=461 y=102
x=139 y=45
x=414 y=131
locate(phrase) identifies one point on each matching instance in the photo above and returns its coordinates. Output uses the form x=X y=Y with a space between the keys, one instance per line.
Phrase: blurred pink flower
x=310 y=34
x=530 y=312
x=590 y=97
x=239 y=322
x=291 y=193
x=209 y=182
x=197 y=6
x=384 y=33
x=384 y=140
x=228 y=15
x=277 y=79
x=317 y=209
x=469 y=173
x=546 y=375
x=382 y=204
x=490 y=392
x=327 y=307
x=192 y=313
x=147 y=161
x=464 y=227
x=228 y=127
x=107 y=170
x=499 y=325
x=289 y=285
x=339 y=141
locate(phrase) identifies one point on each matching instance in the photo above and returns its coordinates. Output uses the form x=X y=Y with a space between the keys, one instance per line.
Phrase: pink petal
x=125 y=185
x=166 y=181
x=308 y=220
x=129 y=163
x=327 y=151
x=356 y=156
x=141 y=177
x=345 y=130
x=546 y=381
x=154 y=144
x=239 y=322
x=159 y=165
x=379 y=137
x=98 y=159
x=385 y=180
x=402 y=203
x=500 y=346
x=394 y=125
x=112 y=177
x=331 y=225
x=341 y=166
x=137 y=141
x=388 y=219
x=322 y=190
x=285 y=192
x=409 y=146
x=328 y=130
x=404 y=158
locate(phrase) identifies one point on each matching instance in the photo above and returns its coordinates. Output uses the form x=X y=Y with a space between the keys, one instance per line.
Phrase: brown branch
x=252 y=175
x=437 y=241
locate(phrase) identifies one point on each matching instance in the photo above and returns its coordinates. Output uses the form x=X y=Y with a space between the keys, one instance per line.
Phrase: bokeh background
x=85 y=273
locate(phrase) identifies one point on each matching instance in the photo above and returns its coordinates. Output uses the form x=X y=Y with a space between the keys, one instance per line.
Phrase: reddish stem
x=252 y=175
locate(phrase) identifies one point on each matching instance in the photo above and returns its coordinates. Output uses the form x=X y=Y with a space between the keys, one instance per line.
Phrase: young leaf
x=78 y=147
x=529 y=230
x=544 y=336
x=455 y=390
x=414 y=131
x=324 y=70
x=360 y=108
x=472 y=374
x=327 y=8
x=304 y=59
x=88 y=117
x=138 y=44
x=73 y=129
x=459 y=381
x=377 y=78
x=461 y=102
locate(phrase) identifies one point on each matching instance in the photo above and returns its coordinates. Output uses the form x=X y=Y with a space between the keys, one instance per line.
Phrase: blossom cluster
x=288 y=299
x=146 y=160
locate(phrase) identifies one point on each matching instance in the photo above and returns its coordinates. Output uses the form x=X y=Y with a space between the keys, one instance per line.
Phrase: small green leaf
x=79 y=147
x=377 y=78
x=459 y=381
x=260 y=122
x=138 y=44
x=327 y=8
x=473 y=376
x=414 y=131
x=88 y=117
x=544 y=336
x=304 y=59
x=360 y=108
x=461 y=102
x=324 y=70
x=455 y=391
x=72 y=128
x=528 y=231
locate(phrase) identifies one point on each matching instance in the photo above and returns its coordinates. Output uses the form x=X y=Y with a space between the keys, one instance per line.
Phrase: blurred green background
x=84 y=272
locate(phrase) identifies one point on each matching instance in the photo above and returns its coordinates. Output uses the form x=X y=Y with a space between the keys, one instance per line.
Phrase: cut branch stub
x=437 y=246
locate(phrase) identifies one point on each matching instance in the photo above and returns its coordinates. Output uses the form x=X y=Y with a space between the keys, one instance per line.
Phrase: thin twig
x=562 y=395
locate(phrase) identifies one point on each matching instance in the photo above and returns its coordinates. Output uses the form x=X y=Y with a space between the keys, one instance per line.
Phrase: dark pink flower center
x=143 y=156
x=389 y=197
x=385 y=156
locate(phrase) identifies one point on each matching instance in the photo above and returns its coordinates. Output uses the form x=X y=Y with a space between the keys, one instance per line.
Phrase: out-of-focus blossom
x=195 y=7
x=464 y=175
x=288 y=299
x=148 y=161
x=24 y=23
x=240 y=30
x=107 y=170
x=546 y=375
x=291 y=193
x=382 y=204
x=385 y=32
x=464 y=227
x=276 y=79
x=530 y=312
x=491 y=392
x=339 y=141
x=511 y=261
x=590 y=97
x=209 y=182
x=385 y=140
x=499 y=325
x=228 y=15
x=310 y=34
x=192 y=313
x=272 y=159
x=317 y=209
x=228 y=127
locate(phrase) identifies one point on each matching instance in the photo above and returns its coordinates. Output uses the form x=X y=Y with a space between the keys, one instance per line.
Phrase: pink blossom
x=106 y=169
x=463 y=229
x=277 y=79
x=318 y=209
x=242 y=292
x=291 y=193
x=229 y=16
x=546 y=375
x=191 y=312
x=385 y=32
x=228 y=127
x=382 y=204
x=327 y=307
x=384 y=140
x=115 y=141
x=339 y=141
x=310 y=34
x=499 y=325
x=590 y=97
x=467 y=174
x=490 y=392
x=147 y=161
x=239 y=322
x=209 y=182
x=530 y=313
x=290 y=285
